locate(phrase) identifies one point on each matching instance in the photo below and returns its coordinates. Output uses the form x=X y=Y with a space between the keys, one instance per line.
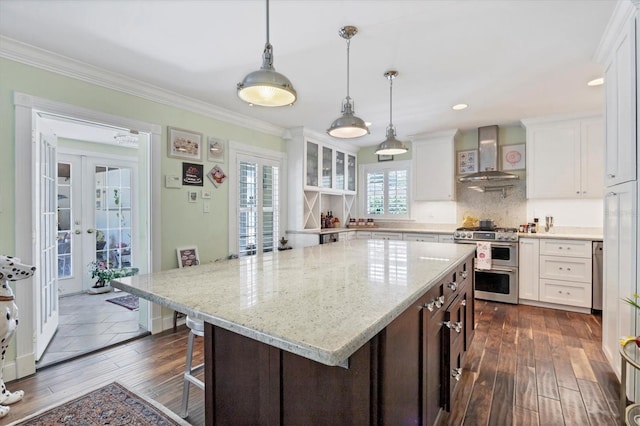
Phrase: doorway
x=29 y=113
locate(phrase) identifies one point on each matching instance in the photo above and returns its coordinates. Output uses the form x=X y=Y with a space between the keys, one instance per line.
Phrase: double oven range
x=500 y=282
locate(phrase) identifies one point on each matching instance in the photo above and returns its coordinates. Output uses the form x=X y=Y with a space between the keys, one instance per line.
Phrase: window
x=386 y=189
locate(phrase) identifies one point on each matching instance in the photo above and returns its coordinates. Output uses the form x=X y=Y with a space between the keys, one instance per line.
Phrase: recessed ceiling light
x=459 y=107
x=596 y=82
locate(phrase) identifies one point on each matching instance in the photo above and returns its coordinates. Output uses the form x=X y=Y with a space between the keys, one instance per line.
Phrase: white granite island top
x=322 y=302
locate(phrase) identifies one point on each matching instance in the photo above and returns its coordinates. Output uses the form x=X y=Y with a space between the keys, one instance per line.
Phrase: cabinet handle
x=577 y=192
x=90 y=231
x=611 y=176
x=457 y=326
x=453 y=286
x=456 y=373
x=568 y=269
x=611 y=194
x=77 y=232
x=464 y=302
x=440 y=302
x=429 y=306
x=560 y=268
x=463 y=274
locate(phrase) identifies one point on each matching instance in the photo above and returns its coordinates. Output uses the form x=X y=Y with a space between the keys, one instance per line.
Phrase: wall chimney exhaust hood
x=488 y=153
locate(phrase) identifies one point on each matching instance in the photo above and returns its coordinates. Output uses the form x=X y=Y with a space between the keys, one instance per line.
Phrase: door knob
x=90 y=231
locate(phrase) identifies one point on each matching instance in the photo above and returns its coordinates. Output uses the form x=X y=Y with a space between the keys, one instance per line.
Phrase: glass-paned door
x=340 y=170
x=258 y=205
x=47 y=313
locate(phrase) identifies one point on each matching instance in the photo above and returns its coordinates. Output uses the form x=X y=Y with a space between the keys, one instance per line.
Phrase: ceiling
x=507 y=59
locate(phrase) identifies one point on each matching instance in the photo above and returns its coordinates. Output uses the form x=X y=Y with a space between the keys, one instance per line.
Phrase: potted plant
x=101 y=270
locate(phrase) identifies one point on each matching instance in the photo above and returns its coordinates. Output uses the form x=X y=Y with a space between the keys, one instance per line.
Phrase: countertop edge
x=330 y=358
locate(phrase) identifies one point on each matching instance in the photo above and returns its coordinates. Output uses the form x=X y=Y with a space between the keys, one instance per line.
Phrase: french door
x=96 y=218
x=258 y=205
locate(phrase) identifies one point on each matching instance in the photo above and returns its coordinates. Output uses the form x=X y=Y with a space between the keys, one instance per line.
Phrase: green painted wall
x=183 y=223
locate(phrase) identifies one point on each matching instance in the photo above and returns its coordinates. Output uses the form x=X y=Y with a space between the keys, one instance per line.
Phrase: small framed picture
x=385 y=158
x=192 y=196
x=215 y=150
x=187 y=256
x=217 y=176
x=205 y=194
x=184 y=144
x=192 y=174
x=513 y=157
x=467 y=161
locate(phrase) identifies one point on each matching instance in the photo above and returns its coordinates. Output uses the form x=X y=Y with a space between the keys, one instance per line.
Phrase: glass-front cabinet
x=351 y=173
x=327 y=168
x=312 y=164
x=340 y=171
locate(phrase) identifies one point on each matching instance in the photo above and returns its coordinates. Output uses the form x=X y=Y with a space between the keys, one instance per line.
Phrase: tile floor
x=89 y=323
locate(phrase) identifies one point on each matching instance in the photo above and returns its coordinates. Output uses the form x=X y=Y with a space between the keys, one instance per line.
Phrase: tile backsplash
x=508 y=211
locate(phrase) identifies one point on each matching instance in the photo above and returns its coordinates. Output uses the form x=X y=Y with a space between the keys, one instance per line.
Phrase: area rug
x=112 y=404
x=130 y=301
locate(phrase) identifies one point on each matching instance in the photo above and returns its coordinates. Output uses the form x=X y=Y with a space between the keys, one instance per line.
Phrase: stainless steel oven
x=500 y=282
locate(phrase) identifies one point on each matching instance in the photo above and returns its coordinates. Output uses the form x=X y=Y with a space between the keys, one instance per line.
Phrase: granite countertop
x=322 y=302
x=587 y=234
x=375 y=228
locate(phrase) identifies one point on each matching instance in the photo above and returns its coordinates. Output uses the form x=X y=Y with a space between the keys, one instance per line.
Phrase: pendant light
x=391 y=145
x=266 y=87
x=348 y=125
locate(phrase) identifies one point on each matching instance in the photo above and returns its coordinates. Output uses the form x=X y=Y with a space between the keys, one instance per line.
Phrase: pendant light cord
x=267 y=22
x=391 y=102
x=348 y=46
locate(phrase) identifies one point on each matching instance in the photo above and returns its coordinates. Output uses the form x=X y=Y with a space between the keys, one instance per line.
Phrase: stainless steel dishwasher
x=597 y=277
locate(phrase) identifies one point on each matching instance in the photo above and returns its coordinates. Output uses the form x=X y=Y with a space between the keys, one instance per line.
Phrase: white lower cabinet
x=528 y=271
x=556 y=271
x=386 y=235
x=363 y=235
x=430 y=238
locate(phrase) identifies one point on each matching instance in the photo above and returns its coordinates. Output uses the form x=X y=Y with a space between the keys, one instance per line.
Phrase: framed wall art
x=192 y=174
x=467 y=162
x=215 y=150
x=513 y=157
x=184 y=144
x=192 y=196
x=187 y=256
x=217 y=176
x=385 y=158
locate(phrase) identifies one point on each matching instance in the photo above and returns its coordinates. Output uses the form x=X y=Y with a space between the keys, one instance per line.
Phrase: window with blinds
x=387 y=191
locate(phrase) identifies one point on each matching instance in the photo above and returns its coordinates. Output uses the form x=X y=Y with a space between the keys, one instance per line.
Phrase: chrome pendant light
x=391 y=145
x=266 y=87
x=348 y=125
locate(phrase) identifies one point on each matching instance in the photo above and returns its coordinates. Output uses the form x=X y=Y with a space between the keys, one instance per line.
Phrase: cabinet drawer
x=566 y=293
x=565 y=268
x=363 y=235
x=431 y=238
x=573 y=248
x=386 y=235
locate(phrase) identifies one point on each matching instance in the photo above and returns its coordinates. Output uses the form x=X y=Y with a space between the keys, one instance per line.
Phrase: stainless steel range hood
x=488 y=154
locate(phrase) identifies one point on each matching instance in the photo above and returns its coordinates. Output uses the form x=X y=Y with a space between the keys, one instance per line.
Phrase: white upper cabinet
x=328 y=168
x=434 y=167
x=565 y=158
x=620 y=89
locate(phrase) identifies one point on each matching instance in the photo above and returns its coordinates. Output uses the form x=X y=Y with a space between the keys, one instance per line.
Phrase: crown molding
x=30 y=55
x=301 y=132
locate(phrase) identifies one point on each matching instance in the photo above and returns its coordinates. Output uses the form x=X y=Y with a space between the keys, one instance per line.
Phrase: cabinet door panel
x=434 y=170
x=592 y=153
x=565 y=293
x=565 y=268
x=528 y=271
x=553 y=160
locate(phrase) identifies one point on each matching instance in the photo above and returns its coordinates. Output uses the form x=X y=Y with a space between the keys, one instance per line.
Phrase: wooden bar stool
x=196 y=328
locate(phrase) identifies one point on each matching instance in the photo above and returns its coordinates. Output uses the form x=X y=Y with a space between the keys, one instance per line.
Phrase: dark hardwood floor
x=526 y=366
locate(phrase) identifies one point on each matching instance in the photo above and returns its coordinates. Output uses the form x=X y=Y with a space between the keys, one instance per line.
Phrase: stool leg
x=187 y=370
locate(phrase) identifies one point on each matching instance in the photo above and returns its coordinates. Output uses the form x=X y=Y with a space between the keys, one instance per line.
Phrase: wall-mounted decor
x=192 y=174
x=205 y=194
x=217 y=176
x=513 y=157
x=187 y=256
x=192 y=196
x=385 y=158
x=467 y=161
x=184 y=144
x=215 y=150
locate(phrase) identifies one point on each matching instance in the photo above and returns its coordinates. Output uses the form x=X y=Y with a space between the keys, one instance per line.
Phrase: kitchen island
x=336 y=333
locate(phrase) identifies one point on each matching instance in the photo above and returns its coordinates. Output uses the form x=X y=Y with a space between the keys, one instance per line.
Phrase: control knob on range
x=456 y=234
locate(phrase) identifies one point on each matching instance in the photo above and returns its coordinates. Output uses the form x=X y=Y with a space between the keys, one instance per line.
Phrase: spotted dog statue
x=11 y=269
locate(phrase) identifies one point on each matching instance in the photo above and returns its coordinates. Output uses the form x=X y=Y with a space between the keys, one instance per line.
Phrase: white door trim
x=25 y=105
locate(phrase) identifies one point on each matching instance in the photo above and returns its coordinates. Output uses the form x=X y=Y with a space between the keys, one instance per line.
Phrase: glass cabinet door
x=312 y=164
x=351 y=172
x=327 y=167
x=340 y=184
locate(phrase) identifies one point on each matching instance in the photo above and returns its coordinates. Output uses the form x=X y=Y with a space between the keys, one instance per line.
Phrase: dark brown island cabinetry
x=404 y=375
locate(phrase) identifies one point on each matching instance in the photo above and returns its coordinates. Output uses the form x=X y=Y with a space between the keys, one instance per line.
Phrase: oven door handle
x=495 y=269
